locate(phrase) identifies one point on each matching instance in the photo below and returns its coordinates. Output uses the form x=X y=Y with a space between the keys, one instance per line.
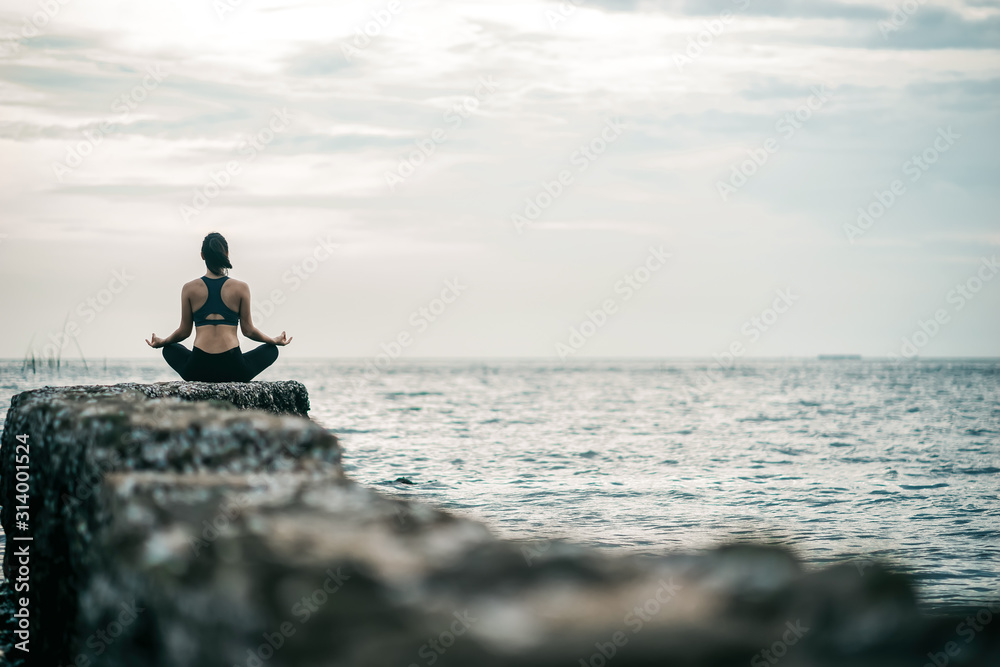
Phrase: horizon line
x=814 y=357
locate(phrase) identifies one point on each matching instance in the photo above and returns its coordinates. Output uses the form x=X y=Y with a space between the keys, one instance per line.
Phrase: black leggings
x=230 y=366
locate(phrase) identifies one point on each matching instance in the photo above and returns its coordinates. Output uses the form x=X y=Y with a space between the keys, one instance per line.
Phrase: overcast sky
x=631 y=160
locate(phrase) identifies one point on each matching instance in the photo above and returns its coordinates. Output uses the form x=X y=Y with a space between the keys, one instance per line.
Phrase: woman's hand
x=282 y=339
x=155 y=341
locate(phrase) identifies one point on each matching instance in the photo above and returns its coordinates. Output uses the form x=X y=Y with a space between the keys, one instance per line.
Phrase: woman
x=215 y=304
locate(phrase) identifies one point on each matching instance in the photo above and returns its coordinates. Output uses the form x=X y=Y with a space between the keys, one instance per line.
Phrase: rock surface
x=169 y=533
x=285 y=398
x=80 y=435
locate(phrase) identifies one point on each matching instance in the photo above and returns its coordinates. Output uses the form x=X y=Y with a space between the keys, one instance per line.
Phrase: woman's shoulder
x=235 y=288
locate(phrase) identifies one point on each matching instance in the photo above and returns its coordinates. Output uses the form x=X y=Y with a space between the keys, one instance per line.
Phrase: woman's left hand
x=282 y=339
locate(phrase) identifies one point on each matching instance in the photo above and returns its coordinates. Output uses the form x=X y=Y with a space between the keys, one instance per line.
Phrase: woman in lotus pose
x=215 y=305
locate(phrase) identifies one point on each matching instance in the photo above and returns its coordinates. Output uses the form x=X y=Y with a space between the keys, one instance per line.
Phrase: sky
x=557 y=180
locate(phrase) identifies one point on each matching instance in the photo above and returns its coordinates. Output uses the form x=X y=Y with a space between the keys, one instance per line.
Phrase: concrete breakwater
x=191 y=524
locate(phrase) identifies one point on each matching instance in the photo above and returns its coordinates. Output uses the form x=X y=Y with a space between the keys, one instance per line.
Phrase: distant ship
x=838 y=357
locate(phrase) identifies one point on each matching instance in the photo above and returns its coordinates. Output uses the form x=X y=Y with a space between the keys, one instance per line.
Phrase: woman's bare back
x=214 y=338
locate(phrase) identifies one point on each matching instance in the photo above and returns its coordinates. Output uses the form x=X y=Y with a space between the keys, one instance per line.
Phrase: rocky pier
x=210 y=525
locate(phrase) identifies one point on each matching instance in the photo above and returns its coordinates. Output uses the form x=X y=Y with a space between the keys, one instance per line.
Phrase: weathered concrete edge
x=92 y=421
x=280 y=397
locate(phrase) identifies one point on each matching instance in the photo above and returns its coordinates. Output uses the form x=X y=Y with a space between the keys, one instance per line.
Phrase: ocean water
x=837 y=459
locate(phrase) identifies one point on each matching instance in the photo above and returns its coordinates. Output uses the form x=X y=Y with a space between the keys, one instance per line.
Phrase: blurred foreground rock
x=173 y=530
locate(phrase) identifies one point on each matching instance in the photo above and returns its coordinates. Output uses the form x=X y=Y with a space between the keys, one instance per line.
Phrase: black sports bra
x=215 y=306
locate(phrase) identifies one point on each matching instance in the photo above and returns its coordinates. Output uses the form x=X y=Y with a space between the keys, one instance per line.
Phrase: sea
x=839 y=459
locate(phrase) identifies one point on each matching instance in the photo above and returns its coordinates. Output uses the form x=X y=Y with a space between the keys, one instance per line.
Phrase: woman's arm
x=184 y=330
x=246 y=322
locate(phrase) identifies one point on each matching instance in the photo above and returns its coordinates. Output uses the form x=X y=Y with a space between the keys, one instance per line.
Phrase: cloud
x=938 y=28
x=355 y=120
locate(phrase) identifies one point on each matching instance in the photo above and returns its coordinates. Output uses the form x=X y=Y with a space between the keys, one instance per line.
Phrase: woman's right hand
x=282 y=339
x=155 y=341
